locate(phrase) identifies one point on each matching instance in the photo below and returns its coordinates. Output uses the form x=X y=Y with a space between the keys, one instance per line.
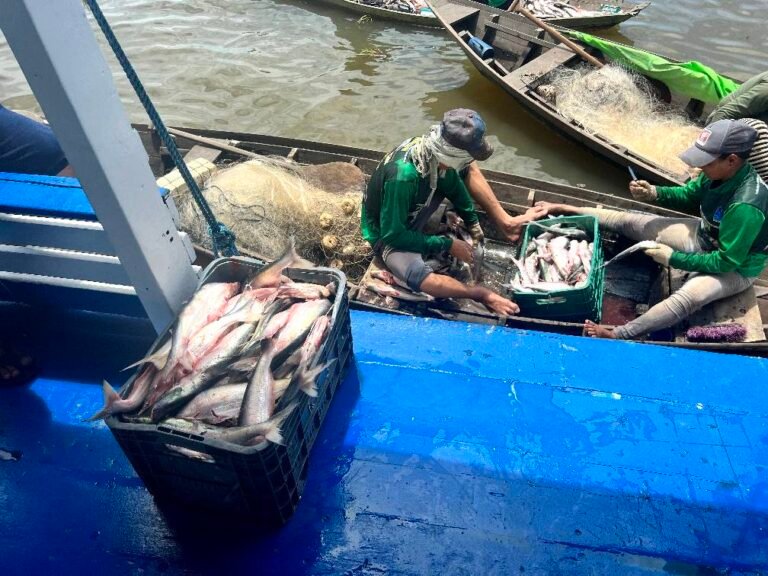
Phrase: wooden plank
x=525 y=75
x=197 y=151
x=454 y=13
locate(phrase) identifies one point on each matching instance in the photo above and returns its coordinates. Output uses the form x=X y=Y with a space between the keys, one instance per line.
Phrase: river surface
x=302 y=68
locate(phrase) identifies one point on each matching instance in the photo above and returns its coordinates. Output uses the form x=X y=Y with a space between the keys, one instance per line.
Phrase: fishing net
x=622 y=107
x=266 y=201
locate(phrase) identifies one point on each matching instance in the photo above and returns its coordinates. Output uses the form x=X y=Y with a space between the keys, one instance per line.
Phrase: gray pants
x=409 y=267
x=679 y=234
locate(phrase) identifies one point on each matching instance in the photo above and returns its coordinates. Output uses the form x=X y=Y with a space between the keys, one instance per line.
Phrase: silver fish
x=560 y=230
x=586 y=251
x=259 y=399
x=249 y=312
x=206 y=305
x=306 y=291
x=314 y=339
x=216 y=406
x=643 y=245
x=558 y=247
x=271 y=274
x=302 y=317
x=157 y=358
x=403 y=294
x=204 y=376
x=115 y=404
x=253 y=435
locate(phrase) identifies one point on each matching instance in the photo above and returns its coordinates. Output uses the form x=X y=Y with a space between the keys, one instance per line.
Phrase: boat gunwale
x=504 y=179
x=575 y=22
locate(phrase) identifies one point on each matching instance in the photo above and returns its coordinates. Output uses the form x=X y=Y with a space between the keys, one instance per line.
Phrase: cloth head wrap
x=431 y=150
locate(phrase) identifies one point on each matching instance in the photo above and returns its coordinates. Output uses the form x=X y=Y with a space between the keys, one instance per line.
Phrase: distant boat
x=586 y=13
x=521 y=56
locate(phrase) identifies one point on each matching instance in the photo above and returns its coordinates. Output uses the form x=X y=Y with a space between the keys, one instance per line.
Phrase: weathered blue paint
x=461 y=449
x=57 y=196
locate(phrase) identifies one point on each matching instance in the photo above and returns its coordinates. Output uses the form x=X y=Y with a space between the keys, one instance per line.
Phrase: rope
x=222 y=238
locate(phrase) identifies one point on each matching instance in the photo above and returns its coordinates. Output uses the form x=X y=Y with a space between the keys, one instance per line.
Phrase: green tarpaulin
x=692 y=79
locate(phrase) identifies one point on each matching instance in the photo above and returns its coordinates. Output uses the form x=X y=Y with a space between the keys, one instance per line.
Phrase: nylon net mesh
x=622 y=106
x=266 y=201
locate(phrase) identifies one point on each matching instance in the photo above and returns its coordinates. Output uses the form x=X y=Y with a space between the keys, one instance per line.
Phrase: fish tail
x=272 y=431
x=110 y=397
x=157 y=359
x=307 y=378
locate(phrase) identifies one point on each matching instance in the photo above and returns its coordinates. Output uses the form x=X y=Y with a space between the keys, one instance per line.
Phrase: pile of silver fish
x=550 y=8
x=237 y=359
x=558 y=259
x=562 y=9
x=410 y=6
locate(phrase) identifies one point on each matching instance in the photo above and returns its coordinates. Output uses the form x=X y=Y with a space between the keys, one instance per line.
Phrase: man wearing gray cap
x=407 y=188
x=726 y=248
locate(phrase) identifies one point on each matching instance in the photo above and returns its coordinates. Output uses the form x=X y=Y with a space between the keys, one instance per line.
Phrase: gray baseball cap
x=719 y=138
x=465 y=129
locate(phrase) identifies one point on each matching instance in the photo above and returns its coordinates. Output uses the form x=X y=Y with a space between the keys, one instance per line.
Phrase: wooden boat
x=524 y=56
x=516 y=193
x=610 y=13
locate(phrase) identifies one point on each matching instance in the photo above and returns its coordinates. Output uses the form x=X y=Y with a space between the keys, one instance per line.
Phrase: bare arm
x=482 y=193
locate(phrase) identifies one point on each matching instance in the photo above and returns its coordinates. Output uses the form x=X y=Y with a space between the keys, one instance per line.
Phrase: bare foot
x=499 y=304
x=597 y=331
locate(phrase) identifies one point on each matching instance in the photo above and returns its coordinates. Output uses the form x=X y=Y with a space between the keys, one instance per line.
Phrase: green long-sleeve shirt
x=733 y=222
x=395 y=193
x=750 y=100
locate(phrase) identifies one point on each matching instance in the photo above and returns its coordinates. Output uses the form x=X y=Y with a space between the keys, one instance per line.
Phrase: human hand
x=661 y=254
x=512 y=226
x=477 y=233
x=643 y=191
x=545 y=208
x=461 y=251
x=537 y=212
x=500 y=305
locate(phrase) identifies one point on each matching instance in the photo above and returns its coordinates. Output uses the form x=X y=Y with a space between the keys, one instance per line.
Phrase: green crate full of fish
x=224 y=410
x=559 y=272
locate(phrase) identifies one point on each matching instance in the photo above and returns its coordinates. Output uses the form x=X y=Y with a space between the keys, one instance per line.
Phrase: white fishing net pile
x=266 y=201
x=620 y=105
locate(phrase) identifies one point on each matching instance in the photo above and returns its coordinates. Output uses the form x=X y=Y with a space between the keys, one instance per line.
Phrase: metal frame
x=68 y=74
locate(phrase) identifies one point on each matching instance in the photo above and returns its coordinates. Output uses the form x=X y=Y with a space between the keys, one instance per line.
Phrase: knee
x=684 y=302
x=415 y=274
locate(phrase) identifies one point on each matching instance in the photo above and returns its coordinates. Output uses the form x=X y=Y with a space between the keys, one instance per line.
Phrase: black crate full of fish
x=559 y=274
x=224 y=410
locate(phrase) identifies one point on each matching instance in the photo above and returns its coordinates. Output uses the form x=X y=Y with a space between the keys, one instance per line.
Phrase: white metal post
x=56 y=48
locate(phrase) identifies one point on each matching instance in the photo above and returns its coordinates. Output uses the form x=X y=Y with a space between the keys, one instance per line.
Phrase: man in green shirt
x=726 y=247
x=408 y=186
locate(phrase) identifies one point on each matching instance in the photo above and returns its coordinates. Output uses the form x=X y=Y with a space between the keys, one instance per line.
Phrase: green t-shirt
x=733 y=222
x=749 y=101
x=394 y=195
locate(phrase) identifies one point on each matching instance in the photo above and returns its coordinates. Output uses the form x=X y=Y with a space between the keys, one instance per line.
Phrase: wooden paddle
x=517 y=7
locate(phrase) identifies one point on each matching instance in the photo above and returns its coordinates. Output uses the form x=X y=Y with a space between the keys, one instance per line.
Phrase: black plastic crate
x=264 y=484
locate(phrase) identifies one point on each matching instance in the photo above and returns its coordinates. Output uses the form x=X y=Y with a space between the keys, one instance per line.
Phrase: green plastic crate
x=573 y=304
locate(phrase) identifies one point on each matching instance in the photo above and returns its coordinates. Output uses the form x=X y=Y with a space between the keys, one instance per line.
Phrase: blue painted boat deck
x=459 y=449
